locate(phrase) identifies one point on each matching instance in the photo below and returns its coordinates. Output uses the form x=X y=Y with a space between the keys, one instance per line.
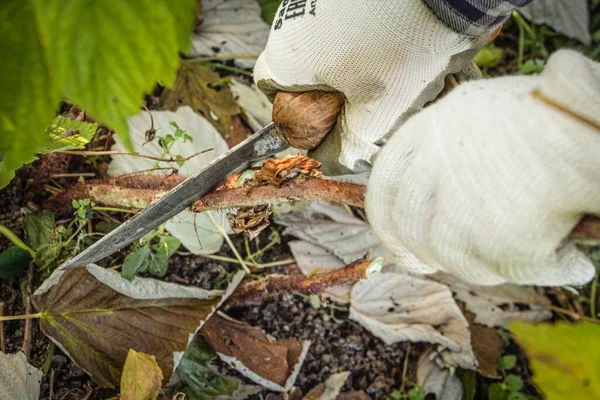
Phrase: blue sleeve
x=473 y=17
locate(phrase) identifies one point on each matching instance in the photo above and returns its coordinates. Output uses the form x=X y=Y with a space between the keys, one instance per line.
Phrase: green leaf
x=513 y=383
x=28 y=94
x=158 y=265
x=135 y=262
x=469 y=382
x=269 y=9
x=517 y=396
x=314 y=301
x=489 y=56
x=96 y=316
x=13 y=262
x=46 y=255
x=167 y=246
x=531 y=67
x=38 y=228
x=66 y=134
x=564 y=357
x=202 y=381
x=497 y=392
x=192 y=88
x=120 y=51
x=159 y=261
x=506 y=363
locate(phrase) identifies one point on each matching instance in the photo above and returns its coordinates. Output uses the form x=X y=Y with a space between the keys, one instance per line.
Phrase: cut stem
x=273 y=286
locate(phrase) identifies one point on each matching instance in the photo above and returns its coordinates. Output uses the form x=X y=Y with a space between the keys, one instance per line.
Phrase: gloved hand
x=387 y=57
x=488 y=182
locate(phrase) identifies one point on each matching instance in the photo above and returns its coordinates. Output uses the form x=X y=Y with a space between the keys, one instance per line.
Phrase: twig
x=27 y=331
x=51 y=384
x=273 y=286
x=221 y=57
x=2 y=349
x=124 y=153
x=74 y=175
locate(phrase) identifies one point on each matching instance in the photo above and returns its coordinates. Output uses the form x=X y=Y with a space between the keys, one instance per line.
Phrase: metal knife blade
x=264 y=143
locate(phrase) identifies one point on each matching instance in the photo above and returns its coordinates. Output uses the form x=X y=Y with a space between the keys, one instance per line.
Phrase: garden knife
x=264 y=143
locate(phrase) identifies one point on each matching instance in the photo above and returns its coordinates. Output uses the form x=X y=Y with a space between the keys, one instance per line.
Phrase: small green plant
x=412 y=393
x=166 y=143
x=83 y=210
x=150 y=254
x=511 y=386
x=326 y=309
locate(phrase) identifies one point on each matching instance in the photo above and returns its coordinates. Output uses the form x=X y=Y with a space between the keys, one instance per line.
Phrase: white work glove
x=488 y=182
x=388 y=57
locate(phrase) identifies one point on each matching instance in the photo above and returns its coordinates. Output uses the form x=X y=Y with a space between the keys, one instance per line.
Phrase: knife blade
x=264 y=143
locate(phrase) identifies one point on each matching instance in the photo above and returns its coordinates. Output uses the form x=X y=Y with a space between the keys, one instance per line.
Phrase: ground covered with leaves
x=280 y=262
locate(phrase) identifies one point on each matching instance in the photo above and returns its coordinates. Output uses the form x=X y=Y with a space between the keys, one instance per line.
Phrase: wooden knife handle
x=307 y=117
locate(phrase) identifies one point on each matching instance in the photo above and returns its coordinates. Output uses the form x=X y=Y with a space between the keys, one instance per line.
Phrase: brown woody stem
x=273 y=286
x=138 y=192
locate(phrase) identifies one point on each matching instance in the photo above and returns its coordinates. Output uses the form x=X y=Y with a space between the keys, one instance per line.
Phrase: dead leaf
x=95 y=316
x=399 y=307
x=335 y=229
x=192 y=89
x=441 y=382
x=231 y=27
x=331 y=239
x=19 y=380
x=272 y=364
x=238 y=132
x=330 y=389
x=141 y=378
x=203 y=380
x=356 y=395
x=257 y=109
x=495 y=306
x=275 y=171
x=569 y=17
x=251 y=220
x=487 y=347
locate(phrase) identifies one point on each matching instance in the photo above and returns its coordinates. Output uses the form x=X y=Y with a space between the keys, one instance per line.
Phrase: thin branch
x=74 y=175
x=221 y=57
x=2 y=348
x=273 y=286
x=124 y=153
x=27 y=331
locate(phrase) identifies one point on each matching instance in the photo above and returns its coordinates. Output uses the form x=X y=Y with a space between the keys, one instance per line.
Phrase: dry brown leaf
x=486 y=345
x=251 y=220
x=330 y=389
x=192 y=89
x=141 y=378
x=272 y=360
x=95 y=317
x=356 y=395
x=275 y=172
